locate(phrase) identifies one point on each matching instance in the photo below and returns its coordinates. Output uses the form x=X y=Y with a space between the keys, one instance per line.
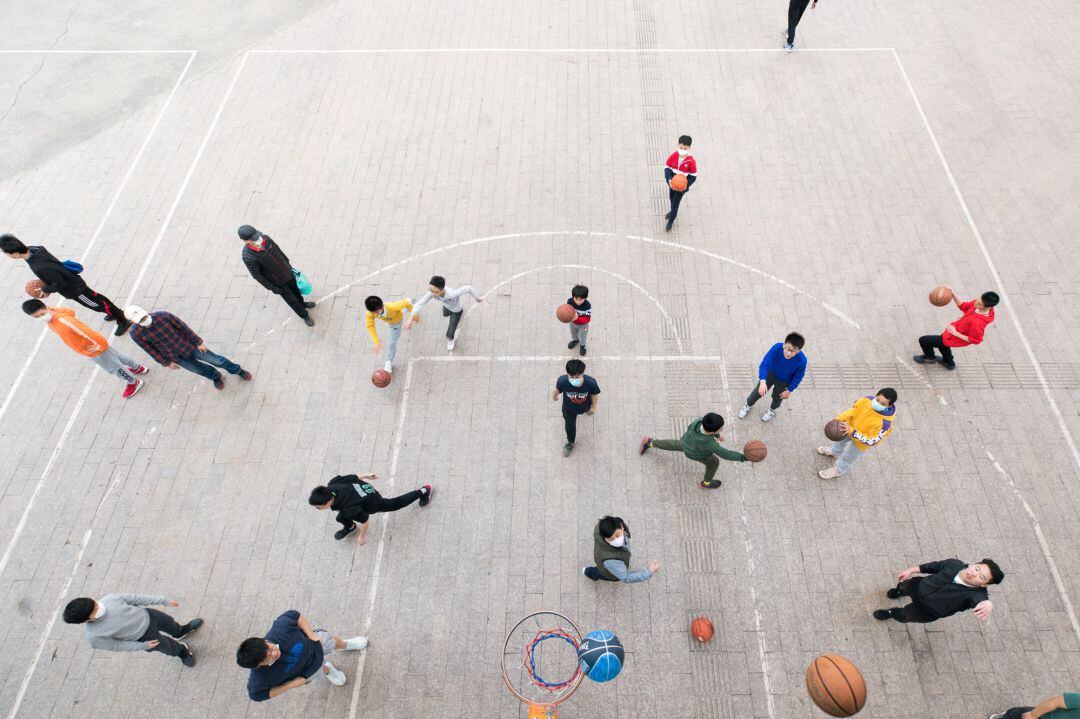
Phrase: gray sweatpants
x=579 y=333
x=117 y=363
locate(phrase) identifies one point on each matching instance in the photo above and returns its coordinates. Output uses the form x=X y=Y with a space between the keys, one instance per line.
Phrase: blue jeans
x=391 y=343
x=846 y=454
x=200 y=363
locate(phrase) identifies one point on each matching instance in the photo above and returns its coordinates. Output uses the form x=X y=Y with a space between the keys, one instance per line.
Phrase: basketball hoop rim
x=502 y=662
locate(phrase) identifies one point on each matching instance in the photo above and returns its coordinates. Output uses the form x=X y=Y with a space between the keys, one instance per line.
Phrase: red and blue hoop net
x=532 y=663
x=539 y=662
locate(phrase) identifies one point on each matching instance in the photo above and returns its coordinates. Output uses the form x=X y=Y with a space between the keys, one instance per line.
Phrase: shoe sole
x=187 y=633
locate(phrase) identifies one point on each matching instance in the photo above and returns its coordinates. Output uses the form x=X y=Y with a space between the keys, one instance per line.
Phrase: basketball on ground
x=702 y=629
x=565 y=313
x=834 y=430
x=755 y=450
x=601 y=655
x=381 y=378
x=940 y=296
x=33 y=288
x=678 y=183
x=835 y=685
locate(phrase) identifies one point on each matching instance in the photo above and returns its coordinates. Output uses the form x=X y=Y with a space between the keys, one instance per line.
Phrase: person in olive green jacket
x=611 y=554
x=701 y=443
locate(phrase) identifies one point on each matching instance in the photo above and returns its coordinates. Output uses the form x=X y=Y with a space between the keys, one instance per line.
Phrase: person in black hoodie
x=952 y=586
x=354 y=500
x=62 y=281
x=271 y=268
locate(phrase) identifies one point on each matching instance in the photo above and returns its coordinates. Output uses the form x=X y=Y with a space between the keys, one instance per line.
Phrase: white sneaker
x=744 y=411
x=449 y=345
x=769 y=414
x=334 y=675
x=356 y=644
x=825 y=451
x=389 y=368
x=999 y=715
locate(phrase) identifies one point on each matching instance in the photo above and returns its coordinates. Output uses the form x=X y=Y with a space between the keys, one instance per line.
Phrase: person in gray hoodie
x=122 y=623
x=611 y=554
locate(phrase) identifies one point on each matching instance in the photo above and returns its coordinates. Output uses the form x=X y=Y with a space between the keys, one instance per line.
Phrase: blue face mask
x=877 y=407
x=576 y=382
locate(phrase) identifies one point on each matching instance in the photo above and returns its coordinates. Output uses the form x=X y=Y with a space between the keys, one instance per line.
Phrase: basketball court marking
x=108 y=210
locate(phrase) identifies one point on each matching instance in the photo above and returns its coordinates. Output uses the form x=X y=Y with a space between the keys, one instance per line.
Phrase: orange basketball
x=834 y=430
x=566 y=313
x=702 y=629
x=835 y=685
x=678 y=183
x=755 y=450
x=940 y=296
x=381 y=378
x=33 y=288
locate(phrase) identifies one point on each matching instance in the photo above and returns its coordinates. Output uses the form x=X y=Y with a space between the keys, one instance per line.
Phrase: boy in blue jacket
x=782 y=369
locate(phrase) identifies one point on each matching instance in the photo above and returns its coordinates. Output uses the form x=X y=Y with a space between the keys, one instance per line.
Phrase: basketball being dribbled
x=381 y=378
x=565 y=313
x=755 y=450
x=678 y=183
x=940 y=296
x=835 y=685
x=33 y=288
x=835 y=430
x=601 y=655
x=702 y=629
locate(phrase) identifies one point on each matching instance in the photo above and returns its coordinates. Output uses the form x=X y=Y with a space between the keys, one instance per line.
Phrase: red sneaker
x=141 y=369
x=131 y=389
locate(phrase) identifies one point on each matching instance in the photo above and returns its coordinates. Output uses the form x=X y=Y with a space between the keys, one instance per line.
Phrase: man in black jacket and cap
x=60 y=279
x=354 y=500
x=952 y=586
x=271 y=268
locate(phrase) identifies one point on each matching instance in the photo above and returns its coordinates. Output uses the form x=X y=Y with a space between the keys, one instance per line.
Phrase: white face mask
x=877 y=407
x=576 y=382
x=621 y=540
x=683 y=153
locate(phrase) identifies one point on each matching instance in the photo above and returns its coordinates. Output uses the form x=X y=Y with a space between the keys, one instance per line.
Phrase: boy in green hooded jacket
x=701 y=443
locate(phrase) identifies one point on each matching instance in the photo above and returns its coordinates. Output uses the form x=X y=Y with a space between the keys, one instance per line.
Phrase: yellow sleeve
x=405 y=304
x=369 y=322
x=847 y=416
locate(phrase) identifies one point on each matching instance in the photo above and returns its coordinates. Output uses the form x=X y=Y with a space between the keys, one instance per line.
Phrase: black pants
x=395 y=503
x=676 y=198
x=931 y=342
x=913 y=612
x=290 y=292
x=455 y=318
x=98 y=303
x=777 y=388
x=795 y=11
x=570 y=424
x=163 y=628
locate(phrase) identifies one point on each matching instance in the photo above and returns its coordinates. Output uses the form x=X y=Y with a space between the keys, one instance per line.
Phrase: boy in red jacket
x=968 y=330
x=680 y=162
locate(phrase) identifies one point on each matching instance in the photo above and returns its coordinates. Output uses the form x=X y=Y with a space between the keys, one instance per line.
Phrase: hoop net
x=539 y=662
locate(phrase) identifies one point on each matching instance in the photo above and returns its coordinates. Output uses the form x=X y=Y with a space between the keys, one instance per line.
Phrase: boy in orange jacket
x=88 y=343
x=869 y=421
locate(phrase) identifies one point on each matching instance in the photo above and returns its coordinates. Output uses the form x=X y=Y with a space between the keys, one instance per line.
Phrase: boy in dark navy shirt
x=289 y=655
x=579 y=392
x=579 y=326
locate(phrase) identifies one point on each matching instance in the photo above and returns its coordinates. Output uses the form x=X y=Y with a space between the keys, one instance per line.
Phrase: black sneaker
x=582 y=350
x=948 y=365
x=714 y=484
x=882 y=614
x=309 y=305
x=591 y=572
x=426 y=496
x=244 y=375
x=567 y=449
x=122 y=326
x=572 y=345
x=667 y=227
x=187 y=658
x=893 y=593
x=190 y=627
x=924 y=359
x=646 y=442
x=345 y=532
x=309 y=322
x=219 y=383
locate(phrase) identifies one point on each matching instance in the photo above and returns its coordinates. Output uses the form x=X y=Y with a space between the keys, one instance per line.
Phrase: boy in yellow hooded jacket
x=869 y=421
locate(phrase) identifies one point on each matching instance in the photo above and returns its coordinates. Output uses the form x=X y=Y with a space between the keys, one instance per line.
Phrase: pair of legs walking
x=204 y=364
x=290 y=292
x=778 y=388
x=846 y=454
x=929 y=343
x=579 y=335
x=117 y=363
x=913 y=612
x=796 y=8
x=675 y=197
x=166 y=631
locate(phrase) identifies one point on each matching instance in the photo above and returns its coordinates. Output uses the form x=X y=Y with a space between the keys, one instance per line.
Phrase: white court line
x=98 y=52
x=78 y=408
x=97 y=233
x=992 y=267
x=564 y=50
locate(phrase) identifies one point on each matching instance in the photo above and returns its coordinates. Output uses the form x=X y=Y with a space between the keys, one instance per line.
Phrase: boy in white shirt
x=450 y=297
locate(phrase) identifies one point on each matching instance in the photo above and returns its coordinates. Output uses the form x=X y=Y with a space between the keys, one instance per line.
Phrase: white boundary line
x=564 y=50
x=97 y=52
x=100 y=228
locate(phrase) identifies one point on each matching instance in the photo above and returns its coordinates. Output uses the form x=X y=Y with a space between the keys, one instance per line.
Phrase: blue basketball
x=601 y=655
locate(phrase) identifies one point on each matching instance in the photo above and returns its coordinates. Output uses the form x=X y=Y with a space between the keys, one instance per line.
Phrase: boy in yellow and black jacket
x=868 y=422
x=392 y=314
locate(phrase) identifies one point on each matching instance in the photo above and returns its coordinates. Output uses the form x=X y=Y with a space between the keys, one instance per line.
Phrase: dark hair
x=11 y=244
x=795 y=340
x=320 y=496
x=685 y=140
x=996 y=575
x=32 y=306
x=888 y=393
x=251 y=652
x=575 y=367
x=990 y=299
x=373 y=303
x=438 y=281
x=580 y=291
x=79 y=610
x=712 y=422
x=609 y=524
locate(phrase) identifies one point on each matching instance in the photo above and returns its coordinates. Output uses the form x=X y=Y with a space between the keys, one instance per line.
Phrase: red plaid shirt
x=167 y=339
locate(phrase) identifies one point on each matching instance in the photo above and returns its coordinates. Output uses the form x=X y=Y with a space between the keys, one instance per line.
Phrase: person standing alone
x=680 y=162
x=271 y=268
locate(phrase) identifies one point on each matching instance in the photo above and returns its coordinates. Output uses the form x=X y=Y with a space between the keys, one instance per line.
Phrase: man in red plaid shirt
x=167 y=339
